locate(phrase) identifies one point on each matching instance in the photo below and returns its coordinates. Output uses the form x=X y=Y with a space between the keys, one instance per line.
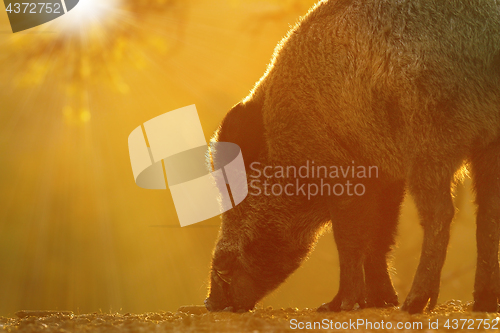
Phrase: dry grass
x=196 y=319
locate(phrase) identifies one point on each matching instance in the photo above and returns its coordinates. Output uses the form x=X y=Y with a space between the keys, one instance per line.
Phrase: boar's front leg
x=486 y=174
x=430 y=185
x=379 y=289
x=351 y=237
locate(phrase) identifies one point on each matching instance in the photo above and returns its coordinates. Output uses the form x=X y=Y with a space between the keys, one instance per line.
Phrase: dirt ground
x=453 y=316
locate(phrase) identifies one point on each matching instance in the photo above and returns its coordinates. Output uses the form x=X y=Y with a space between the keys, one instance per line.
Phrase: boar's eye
x=224 y=275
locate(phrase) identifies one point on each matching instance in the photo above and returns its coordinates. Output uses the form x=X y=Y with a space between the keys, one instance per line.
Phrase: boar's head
x=234 y=282
x=255 y=253
x=260 y=242
x=232 y=286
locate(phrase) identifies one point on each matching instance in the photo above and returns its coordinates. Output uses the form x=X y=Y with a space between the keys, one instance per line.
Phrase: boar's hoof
x=328 y=307
x=342 y=304
x=485 y=303
x=416 y=302
x=382 y=302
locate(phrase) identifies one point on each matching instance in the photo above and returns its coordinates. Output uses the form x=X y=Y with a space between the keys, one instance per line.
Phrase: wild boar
x=409 y=86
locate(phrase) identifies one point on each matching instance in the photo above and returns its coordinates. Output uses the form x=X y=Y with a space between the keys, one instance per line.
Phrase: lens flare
x=87 y=15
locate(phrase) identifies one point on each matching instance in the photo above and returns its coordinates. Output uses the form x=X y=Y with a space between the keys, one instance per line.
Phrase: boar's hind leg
x=430 y=186
x=379 y=289
x=486 y=174
x=350 y=229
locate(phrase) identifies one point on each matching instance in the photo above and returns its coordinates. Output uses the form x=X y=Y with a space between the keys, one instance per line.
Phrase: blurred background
x=76 y=233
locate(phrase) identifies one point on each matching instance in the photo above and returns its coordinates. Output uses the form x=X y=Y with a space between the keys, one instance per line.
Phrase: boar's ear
x=244 y=125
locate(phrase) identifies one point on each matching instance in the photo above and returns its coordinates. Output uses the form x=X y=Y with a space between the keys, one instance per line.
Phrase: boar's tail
x=244 y=125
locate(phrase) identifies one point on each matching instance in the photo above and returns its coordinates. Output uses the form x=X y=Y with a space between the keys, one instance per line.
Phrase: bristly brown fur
x=409 y=86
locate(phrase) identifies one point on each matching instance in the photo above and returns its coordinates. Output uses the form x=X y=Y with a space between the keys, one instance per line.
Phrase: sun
x=89 y=14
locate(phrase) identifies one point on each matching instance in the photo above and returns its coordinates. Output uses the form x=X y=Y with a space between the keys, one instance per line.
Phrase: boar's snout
x=235 y=292
x=213 y=306
x=219 y=298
